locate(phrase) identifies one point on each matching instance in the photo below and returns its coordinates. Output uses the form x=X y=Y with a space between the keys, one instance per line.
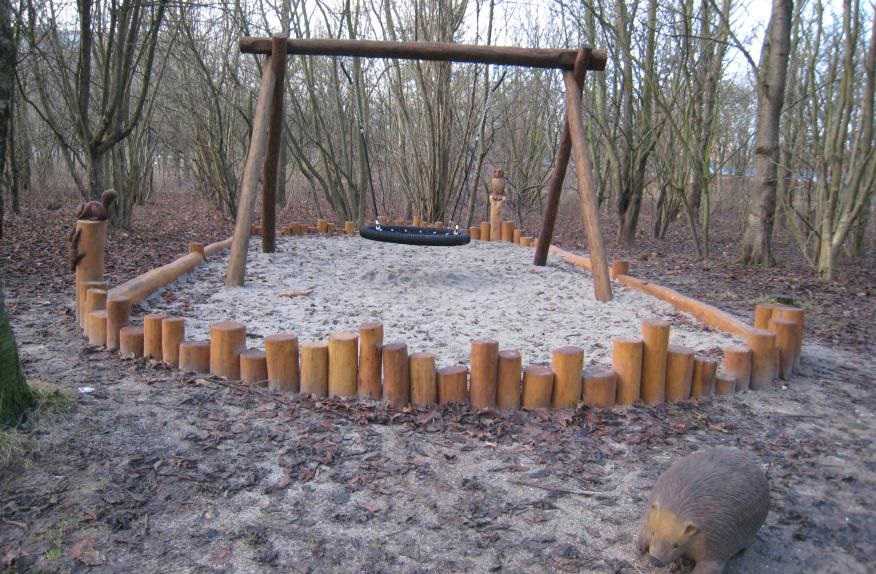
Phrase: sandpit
x=434 y=299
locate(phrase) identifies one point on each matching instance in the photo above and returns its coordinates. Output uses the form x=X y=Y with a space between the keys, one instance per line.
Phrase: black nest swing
x=409 y=235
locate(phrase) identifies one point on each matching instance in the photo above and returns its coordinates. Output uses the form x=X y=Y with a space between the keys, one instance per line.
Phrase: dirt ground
x=153 y=471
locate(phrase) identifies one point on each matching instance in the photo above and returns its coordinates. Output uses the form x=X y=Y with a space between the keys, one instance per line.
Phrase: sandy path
x=434 y=299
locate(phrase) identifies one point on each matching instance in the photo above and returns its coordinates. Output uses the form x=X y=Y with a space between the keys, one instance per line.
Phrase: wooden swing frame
x=264 y=148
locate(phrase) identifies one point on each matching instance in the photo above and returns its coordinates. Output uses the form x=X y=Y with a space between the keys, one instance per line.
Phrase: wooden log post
x=655 y=336
x=370 y=345
x=253 y=169
x=508 y=231
x=764 y=360
x=118 y=313
x=538 y=387
x=763 y=312
x=508 y=389
x=725 y=383
x=349 y=228
x=253 y=367
x=626 y=360
x=586 y=188
x=396 y=375
x=679 y=373
x=703 y=385
x=96 y=330
x=227 y=342
x=485 y=231
x=788 y=335
x=281 y=352
x=314 y=368
x=96 y=299
x=558 y=174
x=474 y=232
x=277 y=62
x=798 y=316
x=152 y=336
x=452 y=384
x=343 y=364
x=424 y=387
x=194 y=356
x=497 y=201
x=173 y=332
x=85 y=305
x=516 y=237
x=484 y=373
x=600 y=387
x=91 y=248
x=737 y=364
x=198 y=248
x=131 y=341
x=567 y=364
x=417 y=221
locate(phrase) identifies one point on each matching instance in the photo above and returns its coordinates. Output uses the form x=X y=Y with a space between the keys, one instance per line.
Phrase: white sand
x=435 y=299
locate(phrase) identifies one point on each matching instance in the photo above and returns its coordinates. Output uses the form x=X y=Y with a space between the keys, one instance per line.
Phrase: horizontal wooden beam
x=443 y=52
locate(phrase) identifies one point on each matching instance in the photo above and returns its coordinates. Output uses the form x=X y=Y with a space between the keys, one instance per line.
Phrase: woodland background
x=152 y=98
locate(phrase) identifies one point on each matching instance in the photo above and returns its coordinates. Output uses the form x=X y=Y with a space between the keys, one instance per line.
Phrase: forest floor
x=154 y=471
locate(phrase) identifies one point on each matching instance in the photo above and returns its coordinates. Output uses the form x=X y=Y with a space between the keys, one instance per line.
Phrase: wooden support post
x=497 y=200
x=484 y=373
x=343 y=364
x=281 y=352
x=396 y=375
x=118 y=313
x=227 y=342
x=253 y=367
x=508 y=231
x=91 y=247
x=198 y=248
x=737 y=364
x=561 y=163
x=349 y=228
x=798 y=316
x=626 y=360
x=131 y=341
x=763 y=312
x=485 y=231
x=703 y=385
x=567 y=364
x=516 y=237
x=84 y=305
x=314 y=368
x=97 y=328
x=96 y=299
x=788 y=337
x=424 y=388
x=600 y=387
x=370 y=344
x=655 y=335
x=764 y=362
x=173 y=331
x=252 y=171
x=508 y=389
x=452 y=385
x=725 y=383
x=474 y=232
x=194 y=356
x=679 y=373
x=586 y=188
x=277 y=62
x=152 y=336
x=538 y=387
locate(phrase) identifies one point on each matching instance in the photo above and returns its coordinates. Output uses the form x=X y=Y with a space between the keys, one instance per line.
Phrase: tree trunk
x=757 y=238
x=96 y=177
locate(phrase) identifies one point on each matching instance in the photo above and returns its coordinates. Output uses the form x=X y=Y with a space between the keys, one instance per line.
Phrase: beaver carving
x=708 y=506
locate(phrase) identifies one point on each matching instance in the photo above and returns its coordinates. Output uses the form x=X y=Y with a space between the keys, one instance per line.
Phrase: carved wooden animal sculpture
x=708 y=506
x=89 y=211
x=97 y=210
